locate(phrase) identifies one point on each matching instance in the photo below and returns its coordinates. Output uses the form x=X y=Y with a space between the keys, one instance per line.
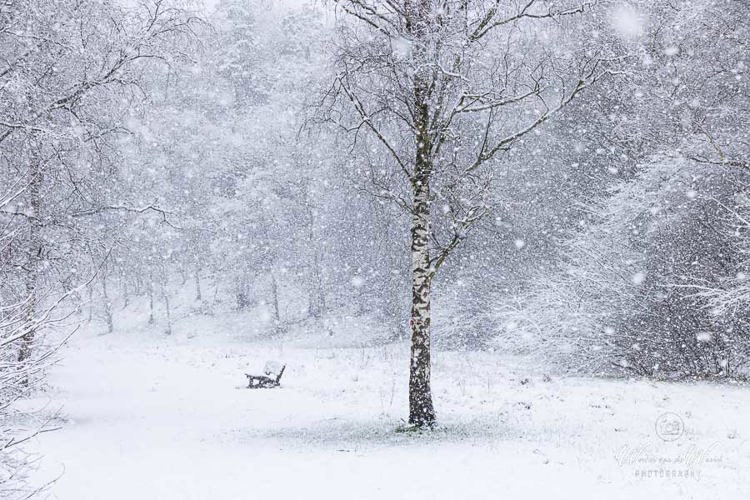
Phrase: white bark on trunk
x=421 y=411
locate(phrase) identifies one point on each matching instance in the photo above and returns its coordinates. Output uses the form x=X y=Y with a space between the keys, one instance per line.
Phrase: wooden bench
x=264 y=381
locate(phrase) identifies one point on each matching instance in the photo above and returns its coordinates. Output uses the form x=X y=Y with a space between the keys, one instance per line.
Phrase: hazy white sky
x=210 y=4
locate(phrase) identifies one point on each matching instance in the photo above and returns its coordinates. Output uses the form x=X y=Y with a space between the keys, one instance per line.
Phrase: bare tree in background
x=67 y=74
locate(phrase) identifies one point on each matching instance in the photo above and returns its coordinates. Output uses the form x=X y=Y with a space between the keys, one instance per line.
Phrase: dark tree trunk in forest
x=34 y=258
x=164 y=279
x=317 y=305
x=277 y=329
x=167 y=310
x=27 y=341
x=151 y=298
x=125 y=291
x=91 y=303
x=107 y=305
x=243 y=293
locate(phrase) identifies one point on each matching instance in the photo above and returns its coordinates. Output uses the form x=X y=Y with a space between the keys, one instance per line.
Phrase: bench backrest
x=281 y=372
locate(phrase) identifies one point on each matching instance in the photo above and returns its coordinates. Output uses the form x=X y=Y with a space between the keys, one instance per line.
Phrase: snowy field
x=145 y=417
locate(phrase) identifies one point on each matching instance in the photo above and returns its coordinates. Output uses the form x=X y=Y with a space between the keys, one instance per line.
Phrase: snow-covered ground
x=148 y=417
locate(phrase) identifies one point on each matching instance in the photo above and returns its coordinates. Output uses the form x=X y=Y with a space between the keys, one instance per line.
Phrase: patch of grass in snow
x=338 y=433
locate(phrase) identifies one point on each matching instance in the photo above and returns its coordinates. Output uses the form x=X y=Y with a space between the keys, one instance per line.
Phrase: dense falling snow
x=374 y=249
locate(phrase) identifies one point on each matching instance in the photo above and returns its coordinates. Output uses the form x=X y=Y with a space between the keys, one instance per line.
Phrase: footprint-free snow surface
x=166 y=419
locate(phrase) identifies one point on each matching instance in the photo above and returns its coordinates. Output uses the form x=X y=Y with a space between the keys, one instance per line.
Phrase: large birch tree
x=442 y=88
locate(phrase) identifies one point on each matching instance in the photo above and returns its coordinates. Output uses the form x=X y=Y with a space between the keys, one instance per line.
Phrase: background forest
x=169 y=167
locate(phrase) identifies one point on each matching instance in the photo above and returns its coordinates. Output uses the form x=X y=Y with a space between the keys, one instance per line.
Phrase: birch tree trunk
x=421 y=411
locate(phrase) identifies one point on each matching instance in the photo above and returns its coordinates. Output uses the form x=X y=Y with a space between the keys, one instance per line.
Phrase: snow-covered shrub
x=623 y=298
x=17 y=378
x=728 y=297
x=462 y=325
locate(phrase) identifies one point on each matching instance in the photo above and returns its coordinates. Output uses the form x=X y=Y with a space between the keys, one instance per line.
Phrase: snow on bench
x=267 y=381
